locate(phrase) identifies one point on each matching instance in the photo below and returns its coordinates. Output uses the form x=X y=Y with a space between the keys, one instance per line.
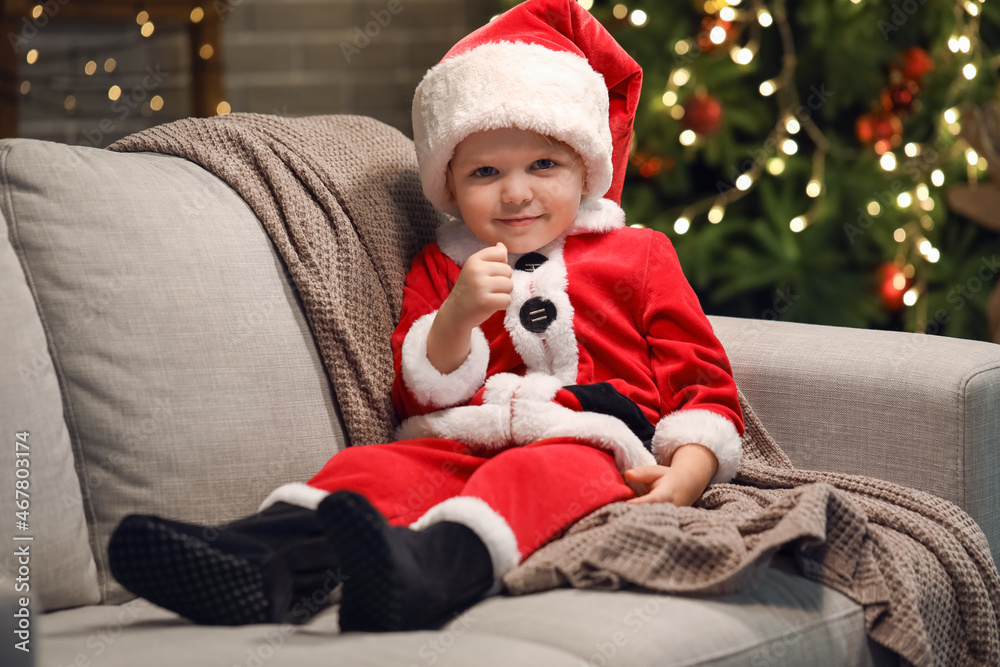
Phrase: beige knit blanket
x=341 y=199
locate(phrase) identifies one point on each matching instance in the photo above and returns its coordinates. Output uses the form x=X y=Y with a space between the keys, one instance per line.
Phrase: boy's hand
x=681 y=483
x=484 y=286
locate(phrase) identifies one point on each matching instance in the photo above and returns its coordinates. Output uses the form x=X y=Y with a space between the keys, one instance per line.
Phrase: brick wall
x=289 y=57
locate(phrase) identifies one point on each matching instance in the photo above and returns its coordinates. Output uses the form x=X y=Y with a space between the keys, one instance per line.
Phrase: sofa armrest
x=921 y=411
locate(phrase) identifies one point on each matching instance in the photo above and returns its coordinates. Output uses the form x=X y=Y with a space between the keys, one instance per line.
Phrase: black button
x=537 y=314
x=530 y=262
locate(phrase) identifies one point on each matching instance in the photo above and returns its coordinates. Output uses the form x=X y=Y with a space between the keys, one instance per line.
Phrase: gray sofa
x=156 y=353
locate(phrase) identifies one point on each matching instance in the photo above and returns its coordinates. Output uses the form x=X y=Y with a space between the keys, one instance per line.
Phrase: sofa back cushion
x=59 y=569
x=191 y=385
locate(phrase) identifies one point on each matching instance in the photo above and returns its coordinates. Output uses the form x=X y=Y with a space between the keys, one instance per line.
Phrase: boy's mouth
x=519 y=221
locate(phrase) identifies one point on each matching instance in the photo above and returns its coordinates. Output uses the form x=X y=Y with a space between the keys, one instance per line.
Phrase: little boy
x=549 y=360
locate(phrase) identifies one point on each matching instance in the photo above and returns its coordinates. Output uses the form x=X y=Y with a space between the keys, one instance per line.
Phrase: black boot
x=272 y=567
x=397 y=578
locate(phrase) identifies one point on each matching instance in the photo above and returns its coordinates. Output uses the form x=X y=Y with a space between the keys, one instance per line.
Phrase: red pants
x=539 y=489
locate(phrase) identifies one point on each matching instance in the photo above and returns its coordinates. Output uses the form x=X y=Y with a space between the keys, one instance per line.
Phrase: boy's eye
x=545 y=163
x=483 y=172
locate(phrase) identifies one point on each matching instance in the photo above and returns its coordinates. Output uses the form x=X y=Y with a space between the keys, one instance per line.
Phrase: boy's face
x=516 y=186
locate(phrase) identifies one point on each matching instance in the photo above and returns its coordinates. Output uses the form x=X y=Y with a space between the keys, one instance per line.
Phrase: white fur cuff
x=295 y=493
x=429 y=385
x=706 y=428
x=491 y=528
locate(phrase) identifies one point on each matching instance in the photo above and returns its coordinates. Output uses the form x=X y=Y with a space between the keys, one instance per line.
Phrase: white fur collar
x=595 y=216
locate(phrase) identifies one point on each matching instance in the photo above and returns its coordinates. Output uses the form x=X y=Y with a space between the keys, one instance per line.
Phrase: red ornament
x=702 y=114
x=893 y=285
x=916 y=63
x=900 y=96
x=883 y=130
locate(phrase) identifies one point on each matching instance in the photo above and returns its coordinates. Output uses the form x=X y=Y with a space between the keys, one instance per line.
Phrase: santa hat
x=546 y=66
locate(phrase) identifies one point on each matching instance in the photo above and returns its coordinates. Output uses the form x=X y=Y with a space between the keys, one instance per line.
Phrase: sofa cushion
x=786 y=620
x=61 y=570
x=191 y=383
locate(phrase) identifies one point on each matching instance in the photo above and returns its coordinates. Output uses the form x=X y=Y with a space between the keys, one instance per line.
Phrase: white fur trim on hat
x=488 y=525
x=429 y=385
x=703 y=427
x=511 y=84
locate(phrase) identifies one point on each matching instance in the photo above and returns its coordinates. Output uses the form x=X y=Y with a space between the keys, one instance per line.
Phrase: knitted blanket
x=341 y=200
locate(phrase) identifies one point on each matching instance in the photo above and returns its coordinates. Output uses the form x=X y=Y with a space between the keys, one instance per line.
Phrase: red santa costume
x=604 y=360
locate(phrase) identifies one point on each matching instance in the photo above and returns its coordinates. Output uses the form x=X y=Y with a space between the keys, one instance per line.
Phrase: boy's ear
x=449 y=185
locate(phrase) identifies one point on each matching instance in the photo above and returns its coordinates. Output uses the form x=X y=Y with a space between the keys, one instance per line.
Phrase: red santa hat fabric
x=545 y=65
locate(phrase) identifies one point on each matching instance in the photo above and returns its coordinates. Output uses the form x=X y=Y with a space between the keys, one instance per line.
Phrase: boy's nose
x=516 y=190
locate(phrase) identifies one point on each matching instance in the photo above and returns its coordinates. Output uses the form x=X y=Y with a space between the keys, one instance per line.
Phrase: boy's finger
x=643 y=473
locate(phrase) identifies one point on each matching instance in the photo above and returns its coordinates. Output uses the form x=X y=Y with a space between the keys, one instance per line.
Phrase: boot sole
x=185 y=575
x=370 y=601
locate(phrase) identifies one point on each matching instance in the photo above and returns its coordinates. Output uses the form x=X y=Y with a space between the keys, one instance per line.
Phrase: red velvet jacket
x=604 y=303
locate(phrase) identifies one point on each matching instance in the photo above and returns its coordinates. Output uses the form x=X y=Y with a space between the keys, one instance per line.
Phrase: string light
x=716 y=213
x=964 y=44
x=792 y=125
x=937 y=177
x=682 y=225
x=638 y=18
x=887 y=161
x=798 y=223
x=744 y=182
x=680 y=77
x=114 y=92
x=223 y=108
x=789 y=147
x=911 y=149
x=669 y=98
x=814 y=188
x=969 y=71
x=873 y=208
x=767 y=88
x=775 y=166
x=764 y=18
x=910 y=298
x=741 y=56
x=687 y=137
x=32 y=56
x=197 y=14
x=147 y=29
x=904 y=200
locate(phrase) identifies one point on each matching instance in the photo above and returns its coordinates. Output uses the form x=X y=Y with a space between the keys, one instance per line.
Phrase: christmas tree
x=824 y=161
